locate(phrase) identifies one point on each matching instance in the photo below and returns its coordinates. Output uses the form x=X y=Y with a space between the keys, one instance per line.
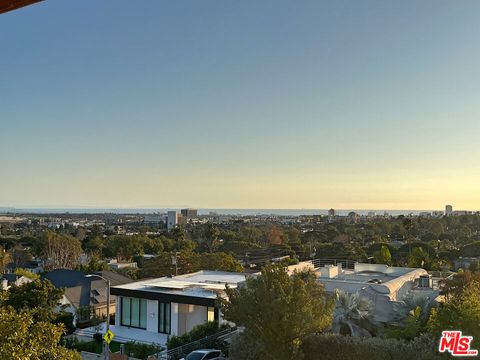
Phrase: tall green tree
x=188 y=261
x=461 y=312
x=60 y=251
x=278 y=310
x=455 y=286
x=39 y=297
x=4 y=258
x=21 y=337
x=210 y=240
x=419 y=258
x=383 y=256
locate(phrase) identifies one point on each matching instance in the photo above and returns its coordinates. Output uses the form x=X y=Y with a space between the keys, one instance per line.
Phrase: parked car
x=205 y=354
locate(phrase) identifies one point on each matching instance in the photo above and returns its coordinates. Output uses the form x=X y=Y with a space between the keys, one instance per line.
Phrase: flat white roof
x=203 y=283
x=382 y=278
x=212 y=277
x=363 y=273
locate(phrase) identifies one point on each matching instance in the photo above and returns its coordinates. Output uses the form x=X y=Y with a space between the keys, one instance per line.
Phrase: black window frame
x=162 y=326
x=139 y=313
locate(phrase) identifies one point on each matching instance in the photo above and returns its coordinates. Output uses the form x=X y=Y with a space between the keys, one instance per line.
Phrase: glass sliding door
x=126 y=307
x=143 y=313
x=164 y=314
x=135 y=320
x=134 y=312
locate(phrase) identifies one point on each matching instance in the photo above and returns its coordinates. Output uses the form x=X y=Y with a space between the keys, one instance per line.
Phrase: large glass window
x=164 y=318
x=126 y=307
x=210 y=314
x=143 y=314
x=134 y=312
x=135 y=319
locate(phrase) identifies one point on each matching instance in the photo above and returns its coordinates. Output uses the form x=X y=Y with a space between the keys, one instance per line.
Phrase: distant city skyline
x=272 y=104
x=240 y=212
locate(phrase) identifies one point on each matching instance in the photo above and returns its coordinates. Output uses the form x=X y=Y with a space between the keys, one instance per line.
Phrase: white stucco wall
x=187 y=314
x=174 y=318
x=347 y=286
x=152 y=315
x=197 y=315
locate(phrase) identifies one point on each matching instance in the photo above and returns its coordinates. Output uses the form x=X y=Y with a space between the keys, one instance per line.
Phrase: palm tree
x=351 y=312
x=417 y=312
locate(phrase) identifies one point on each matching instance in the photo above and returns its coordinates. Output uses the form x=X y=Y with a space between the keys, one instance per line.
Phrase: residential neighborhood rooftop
x=203 y=283
x=368 y=273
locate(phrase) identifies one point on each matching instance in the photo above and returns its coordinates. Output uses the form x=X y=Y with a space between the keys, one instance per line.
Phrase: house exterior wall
x=386 y=298
x=196 y=315
x=152 y=315
x=347 y=286
x=174 y=318
x=183 y=317
x=67 y=306
x=22 y=280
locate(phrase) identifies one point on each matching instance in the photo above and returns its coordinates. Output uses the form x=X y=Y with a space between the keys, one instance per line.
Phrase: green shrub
x=89 y=346
x=98 y=337
x=245 y=347
x=333 y=347
x=197 y=333
x=141 y=351
x=66 y=319
x=338 y=347
x=134 y=349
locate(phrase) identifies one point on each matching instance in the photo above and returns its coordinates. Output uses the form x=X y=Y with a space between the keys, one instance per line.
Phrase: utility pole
x=174 y=262
x=106 y=349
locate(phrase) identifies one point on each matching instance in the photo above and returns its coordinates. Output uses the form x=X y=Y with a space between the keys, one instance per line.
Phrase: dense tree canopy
x=383 y=256
x=59 y=251
x=39 y=297
x=188 y=261
x=460 y=312
x=278 y=310
x=23 y=338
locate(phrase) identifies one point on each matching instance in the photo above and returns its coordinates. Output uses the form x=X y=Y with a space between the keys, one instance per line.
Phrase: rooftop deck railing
x=346 y=263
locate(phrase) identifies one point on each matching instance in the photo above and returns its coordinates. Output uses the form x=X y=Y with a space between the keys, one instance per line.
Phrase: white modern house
x=117 y=265
x=151 y=310
x=7 y=280
x=386 y=287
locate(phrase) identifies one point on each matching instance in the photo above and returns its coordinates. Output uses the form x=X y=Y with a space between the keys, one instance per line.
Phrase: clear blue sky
x=241 y=104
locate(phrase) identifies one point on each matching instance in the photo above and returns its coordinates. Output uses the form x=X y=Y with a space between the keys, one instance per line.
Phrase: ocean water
x=239 y=212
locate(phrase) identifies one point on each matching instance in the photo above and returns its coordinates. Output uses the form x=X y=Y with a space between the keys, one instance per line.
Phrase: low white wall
x=347 y=286
x=301 y=266
x=371 y=267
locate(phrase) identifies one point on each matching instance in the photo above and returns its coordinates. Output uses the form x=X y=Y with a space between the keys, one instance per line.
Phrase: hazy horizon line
x=92 y=209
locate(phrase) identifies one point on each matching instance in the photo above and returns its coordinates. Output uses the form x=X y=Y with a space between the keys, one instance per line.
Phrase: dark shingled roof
x=82 y=291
